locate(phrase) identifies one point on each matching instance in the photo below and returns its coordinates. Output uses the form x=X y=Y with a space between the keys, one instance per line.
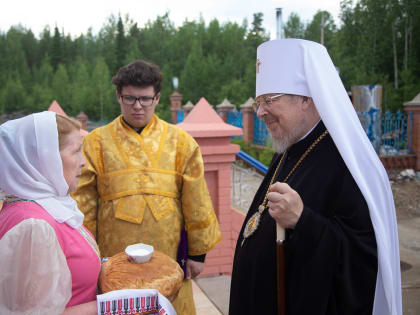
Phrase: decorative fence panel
x=260 y=131
x=234 y=118
x=180 y=115
x=396 y=133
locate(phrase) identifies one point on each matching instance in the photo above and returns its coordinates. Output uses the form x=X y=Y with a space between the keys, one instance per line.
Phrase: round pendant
x=252 y=224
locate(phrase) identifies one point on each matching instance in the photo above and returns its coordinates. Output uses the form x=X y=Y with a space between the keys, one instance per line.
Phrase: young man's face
x=138 y=113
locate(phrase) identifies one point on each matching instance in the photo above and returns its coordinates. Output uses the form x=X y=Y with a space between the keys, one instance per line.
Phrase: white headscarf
x=31 y=166
x=303 y=67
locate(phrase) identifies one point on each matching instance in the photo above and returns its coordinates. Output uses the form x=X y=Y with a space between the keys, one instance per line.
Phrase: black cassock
x=331 y=257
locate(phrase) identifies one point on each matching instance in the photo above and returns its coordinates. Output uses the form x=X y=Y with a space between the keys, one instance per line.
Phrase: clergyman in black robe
x=331 y=195
x=331 y=257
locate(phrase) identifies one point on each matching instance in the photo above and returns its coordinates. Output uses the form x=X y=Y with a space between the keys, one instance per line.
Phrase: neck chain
x=253 y=222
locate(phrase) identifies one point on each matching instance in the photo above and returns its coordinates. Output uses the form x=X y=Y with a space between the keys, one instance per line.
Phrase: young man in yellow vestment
x=144 y=180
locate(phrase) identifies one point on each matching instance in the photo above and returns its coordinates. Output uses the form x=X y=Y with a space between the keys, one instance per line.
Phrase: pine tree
x=61 y=88
x=192 y=84
x=103 y=102
x=56 y=50
x=80 y=90
x=294 y=28
x=13 y=96
x=120 y=45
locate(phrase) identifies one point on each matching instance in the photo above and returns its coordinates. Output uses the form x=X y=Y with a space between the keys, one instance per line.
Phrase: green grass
x=262 y=154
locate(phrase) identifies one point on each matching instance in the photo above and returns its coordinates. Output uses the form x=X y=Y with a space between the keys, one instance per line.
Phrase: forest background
x=375 y=42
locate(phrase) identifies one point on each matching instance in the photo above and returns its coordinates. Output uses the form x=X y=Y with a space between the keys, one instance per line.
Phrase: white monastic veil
x=304 y=68
x=31 y=166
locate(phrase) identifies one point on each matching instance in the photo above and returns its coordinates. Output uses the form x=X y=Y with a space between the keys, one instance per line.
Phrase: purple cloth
x=181 y=256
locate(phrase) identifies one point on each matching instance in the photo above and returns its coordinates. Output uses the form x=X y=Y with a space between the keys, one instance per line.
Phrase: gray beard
x=282 y=143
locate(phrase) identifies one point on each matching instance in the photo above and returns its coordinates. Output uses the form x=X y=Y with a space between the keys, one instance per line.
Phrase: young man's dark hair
x=138 y=73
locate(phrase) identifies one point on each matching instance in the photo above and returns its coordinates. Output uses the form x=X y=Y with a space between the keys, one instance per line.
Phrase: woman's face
x=72 y=159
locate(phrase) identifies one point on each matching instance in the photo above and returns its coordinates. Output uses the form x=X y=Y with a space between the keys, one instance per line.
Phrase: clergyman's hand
x=194 y=268
x=284 y=205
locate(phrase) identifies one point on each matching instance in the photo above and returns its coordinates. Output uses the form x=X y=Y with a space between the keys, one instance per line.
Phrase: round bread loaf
x=161 y=273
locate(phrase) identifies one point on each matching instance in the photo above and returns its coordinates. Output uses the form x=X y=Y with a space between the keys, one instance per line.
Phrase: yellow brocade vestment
x=145 y=188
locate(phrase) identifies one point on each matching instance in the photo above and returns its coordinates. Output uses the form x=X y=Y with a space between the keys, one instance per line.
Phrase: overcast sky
x=76 y=16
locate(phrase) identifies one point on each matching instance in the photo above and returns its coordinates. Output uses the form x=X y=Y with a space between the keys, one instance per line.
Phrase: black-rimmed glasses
x=145 y=101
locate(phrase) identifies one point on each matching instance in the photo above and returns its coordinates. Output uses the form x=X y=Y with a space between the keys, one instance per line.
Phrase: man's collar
x=138 y=130
x=299 y=147
x=310 y=130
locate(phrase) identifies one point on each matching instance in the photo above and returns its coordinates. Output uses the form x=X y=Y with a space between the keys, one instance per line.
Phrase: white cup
x=139 y=253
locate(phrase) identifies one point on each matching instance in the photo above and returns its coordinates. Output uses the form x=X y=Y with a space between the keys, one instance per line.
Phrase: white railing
x=244 y=185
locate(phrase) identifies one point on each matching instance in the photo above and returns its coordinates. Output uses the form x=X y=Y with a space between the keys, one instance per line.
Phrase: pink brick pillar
x=413 y=107
x=176 y=100
x=248 y=121
x=223 y=109
x=213 y=136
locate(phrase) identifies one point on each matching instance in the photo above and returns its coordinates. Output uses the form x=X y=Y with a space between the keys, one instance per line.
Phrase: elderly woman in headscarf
x=49 y=262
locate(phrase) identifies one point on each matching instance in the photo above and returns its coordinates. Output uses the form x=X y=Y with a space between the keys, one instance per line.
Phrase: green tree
x=15 y=64
x=235 y=91
x=192 y=77
x=294 y=28
x=163 y=109
x=80 y=90
x=56 y=49
x=321 y=26
x=41 y=93
x=44 y=75
x=13 y=96
x=30 y=48
x=155 y=39
x=41 y=97
x=120 y=45
x=374 y=44
x=45 y=42
x=106 y=42
x=61 y=88
x=3 y=62
x=133 y=52
x=181 y=43
x=104 y=105
x=257 y=35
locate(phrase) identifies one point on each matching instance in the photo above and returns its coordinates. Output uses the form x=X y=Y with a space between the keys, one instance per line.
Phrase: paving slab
x=203 y=304
x=217 y=289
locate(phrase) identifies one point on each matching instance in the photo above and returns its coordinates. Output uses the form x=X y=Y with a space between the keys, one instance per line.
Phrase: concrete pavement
x=204 y=306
